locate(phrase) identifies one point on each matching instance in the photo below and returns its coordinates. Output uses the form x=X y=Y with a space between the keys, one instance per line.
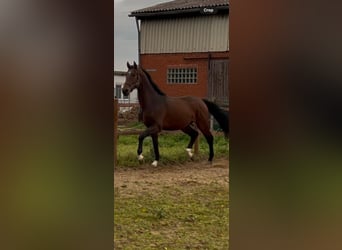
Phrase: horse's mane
x=154 y=85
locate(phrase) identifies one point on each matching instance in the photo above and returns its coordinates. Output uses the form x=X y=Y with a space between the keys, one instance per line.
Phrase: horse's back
x=188 y=103
x=196 y=103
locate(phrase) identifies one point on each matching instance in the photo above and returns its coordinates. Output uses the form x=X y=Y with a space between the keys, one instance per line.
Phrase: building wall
x=185 y=34
x=157 y=65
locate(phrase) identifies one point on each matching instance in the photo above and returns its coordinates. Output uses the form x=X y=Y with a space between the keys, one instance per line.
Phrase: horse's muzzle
x=125 y=91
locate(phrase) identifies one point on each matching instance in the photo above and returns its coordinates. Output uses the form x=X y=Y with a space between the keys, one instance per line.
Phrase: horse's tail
x=221 y=116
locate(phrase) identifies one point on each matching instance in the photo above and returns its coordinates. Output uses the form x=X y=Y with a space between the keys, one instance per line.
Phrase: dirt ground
x=148 y=178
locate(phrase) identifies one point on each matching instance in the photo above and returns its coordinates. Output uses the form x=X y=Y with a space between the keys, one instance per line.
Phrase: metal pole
x=139 y=40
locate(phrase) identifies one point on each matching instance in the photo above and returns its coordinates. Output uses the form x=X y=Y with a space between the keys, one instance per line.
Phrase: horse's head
x=132 y=79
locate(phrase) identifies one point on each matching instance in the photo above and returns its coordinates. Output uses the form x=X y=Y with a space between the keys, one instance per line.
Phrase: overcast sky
x=125 y=30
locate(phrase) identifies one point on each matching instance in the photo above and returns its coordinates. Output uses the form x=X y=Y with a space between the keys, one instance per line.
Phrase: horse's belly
x=176 y=123
x=170 y=127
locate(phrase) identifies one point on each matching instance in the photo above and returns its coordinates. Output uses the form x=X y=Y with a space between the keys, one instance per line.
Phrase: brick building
x=184 y=45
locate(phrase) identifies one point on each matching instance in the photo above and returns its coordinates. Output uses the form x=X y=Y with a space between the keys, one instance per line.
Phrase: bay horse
x=162 y=112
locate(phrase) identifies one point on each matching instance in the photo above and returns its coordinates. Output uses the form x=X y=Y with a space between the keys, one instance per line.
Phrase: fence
x=118 y=133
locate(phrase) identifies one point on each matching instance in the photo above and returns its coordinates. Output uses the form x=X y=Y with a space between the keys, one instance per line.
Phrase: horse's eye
x=130 y=73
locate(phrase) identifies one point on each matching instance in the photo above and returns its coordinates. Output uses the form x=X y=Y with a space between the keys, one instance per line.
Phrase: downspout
x=211 y=89
x=211 y=94
x=140 y=115
x=139 y=40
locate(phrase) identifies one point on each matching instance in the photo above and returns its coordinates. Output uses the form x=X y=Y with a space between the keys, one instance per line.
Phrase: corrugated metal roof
x=185 y=34
x=180 y=5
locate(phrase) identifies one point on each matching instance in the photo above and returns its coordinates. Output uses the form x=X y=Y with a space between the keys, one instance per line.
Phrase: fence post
x=116 y=111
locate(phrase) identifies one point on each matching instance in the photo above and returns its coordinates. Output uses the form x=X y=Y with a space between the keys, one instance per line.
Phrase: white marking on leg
x=154 y=163
x=189 y=152
x=140 y=157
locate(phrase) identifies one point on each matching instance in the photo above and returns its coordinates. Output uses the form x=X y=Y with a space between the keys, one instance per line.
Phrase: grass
x=190 y=217
x=171 y=148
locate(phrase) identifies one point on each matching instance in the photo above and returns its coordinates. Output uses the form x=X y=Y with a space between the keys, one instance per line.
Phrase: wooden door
x=218 y=82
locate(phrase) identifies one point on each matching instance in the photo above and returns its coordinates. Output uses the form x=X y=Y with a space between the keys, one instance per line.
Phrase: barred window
x=182 y=75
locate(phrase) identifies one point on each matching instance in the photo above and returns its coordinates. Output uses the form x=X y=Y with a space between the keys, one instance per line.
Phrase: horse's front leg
x=149 y=131
x=155 y=148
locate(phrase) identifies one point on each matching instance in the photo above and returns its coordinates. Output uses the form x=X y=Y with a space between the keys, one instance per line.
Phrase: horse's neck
x=147 y=95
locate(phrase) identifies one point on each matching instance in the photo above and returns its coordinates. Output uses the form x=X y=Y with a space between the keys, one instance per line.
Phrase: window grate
x=182 y=75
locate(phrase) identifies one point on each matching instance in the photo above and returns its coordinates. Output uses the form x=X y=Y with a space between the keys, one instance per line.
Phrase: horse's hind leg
x=191 y=130
x=204 y=127
x=210 y=139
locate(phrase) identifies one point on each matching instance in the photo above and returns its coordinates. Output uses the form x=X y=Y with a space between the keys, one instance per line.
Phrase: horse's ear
x=128 y=66
x=135 y=65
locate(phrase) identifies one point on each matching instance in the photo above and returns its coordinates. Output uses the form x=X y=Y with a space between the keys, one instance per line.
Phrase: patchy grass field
x=181 y=204
x=172 y=207
x=171 y=148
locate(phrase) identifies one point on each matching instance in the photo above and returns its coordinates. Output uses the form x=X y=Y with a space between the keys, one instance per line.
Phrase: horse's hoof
x=190 y=154
x=154 y=163
x=140 y=157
